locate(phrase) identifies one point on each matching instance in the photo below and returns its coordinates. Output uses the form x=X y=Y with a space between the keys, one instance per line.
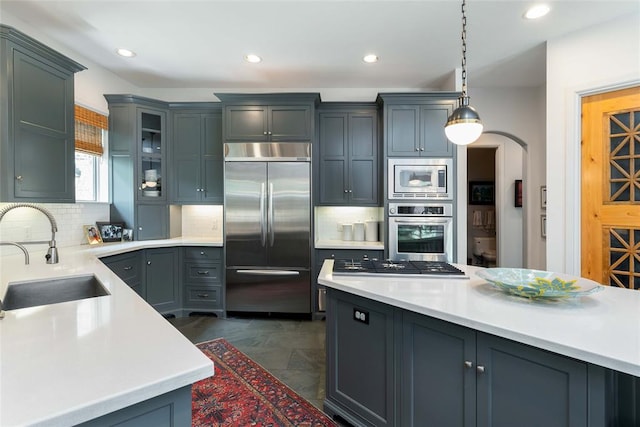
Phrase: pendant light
x=463 y=125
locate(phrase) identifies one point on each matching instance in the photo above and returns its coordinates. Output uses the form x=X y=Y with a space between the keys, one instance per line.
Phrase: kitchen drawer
x=203 y=296
x=204 y=253
x=197 y=272
x=127 y=266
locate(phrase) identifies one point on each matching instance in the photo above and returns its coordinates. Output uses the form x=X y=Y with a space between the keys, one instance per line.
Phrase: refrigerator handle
x=263 y=228
x=272 y=232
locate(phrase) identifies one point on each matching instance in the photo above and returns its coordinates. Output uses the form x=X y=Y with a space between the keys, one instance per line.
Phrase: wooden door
x=610 y=211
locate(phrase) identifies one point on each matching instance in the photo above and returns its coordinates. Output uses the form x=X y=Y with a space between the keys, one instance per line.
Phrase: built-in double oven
x=420 y=209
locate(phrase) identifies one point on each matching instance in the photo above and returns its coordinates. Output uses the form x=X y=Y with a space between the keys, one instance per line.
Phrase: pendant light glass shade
x=463 y=125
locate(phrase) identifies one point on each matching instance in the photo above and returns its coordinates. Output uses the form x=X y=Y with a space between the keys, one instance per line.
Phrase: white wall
x=600 y=58
x=519 y=112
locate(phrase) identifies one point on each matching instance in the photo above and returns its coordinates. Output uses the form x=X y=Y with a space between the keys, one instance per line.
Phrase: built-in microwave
x=420 y=179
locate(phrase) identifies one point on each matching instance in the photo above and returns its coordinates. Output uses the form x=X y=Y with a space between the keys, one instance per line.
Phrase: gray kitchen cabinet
x=197 y=158
x=202 y=280
x=455 y=376
x=162 y=280
x=128 y=267
x=349 y=155
x=319 y=291
x=360 y=366
x=138 y=142
x=268 y=117
x=414 y=124
x=37 y=131
x=431 y=372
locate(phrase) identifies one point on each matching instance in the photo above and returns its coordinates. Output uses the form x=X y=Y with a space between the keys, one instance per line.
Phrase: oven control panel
x=420 y=209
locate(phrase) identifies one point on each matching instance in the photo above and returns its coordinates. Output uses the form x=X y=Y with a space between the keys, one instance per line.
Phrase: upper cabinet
x=414 y=124
x=348 y=147
x=138 y=146
x=268 y=117
x=197 y=160
x=37 y=133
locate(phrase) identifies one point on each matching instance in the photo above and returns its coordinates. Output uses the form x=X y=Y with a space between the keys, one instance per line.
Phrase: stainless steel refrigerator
x=267 y=211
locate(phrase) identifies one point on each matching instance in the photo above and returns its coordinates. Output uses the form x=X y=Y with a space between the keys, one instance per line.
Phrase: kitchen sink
x=52 y=291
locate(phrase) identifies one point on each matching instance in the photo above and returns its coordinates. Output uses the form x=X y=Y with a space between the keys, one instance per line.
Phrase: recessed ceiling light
x=125 y=52
x=254 y=59
x=371 y=58
x=537 y=11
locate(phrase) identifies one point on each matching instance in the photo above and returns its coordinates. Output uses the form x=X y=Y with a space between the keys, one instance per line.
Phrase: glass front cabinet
x=151 y=154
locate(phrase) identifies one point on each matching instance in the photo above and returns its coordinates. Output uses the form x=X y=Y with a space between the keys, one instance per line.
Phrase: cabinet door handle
x=265 y=132
x=269 y=132
x=417 y=149
x=203 y=295
x=468 y=364
x=346 y=191
x=19 y=177
x=203 y=272
x=148 y=262
x=421 y=149
x=202 y=253
x=127 y=268
x=480 y=369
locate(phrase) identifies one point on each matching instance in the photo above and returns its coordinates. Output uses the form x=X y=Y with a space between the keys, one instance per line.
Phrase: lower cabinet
x=388 y=366
x=202 y=280
x=169 y=409
x=153 y=274
x=162 y=279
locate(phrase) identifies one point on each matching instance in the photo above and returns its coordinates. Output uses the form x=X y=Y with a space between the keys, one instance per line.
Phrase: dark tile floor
x=292 y=350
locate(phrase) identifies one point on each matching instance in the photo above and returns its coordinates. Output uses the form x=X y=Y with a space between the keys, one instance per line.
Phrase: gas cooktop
x=400 y=268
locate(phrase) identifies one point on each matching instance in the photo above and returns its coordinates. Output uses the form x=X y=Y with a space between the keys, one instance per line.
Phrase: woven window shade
x=89 y=126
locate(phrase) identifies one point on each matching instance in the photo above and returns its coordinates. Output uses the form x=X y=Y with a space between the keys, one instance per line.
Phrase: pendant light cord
x=464 y=49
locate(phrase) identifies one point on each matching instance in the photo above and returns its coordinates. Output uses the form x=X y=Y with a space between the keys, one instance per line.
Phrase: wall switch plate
x=361 y=316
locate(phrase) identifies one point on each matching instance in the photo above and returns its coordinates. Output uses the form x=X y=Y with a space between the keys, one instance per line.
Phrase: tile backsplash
x=26 y=224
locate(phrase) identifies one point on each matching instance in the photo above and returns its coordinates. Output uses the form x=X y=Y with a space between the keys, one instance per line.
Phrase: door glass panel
x=151 y=155
x=624 y=157
x=624 y=257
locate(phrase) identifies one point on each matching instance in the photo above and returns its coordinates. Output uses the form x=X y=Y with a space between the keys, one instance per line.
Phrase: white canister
x=371 y=231
x=358 y=231
x=347 y=231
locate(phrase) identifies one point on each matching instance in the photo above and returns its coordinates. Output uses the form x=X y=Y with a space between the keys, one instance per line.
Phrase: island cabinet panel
x=162 y=279
x=169 y=409
x=349 y=153
x=360 y=360
x=408 y=369
x=197 y=156
x=37 y=139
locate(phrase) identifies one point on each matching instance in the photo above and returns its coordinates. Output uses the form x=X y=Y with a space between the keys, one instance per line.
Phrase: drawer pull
x=480 y=369
x=201 y=253
x=468 y=364
x=203 y=272
x=203 y=295
x=128 y=268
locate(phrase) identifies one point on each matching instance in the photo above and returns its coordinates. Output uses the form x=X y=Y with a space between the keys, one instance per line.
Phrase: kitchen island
x=459 y=352
x=73 y=362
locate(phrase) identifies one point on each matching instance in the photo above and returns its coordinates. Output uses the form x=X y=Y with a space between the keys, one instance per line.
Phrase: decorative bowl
x=537 y=283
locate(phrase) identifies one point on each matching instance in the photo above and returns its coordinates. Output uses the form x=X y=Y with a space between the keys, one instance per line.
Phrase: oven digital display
x=420 y=210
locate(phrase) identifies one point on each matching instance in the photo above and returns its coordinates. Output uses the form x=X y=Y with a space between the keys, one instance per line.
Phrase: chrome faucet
x=52 y=253
x=26 y=254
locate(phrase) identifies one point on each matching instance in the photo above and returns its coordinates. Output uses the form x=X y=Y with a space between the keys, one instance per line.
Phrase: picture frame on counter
x=110 y=231
x=127 y=235
x=92 y=234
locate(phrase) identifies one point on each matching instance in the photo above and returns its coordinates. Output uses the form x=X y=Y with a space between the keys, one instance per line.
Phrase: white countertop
x=602 y=328
x=67 y=363
x=348 y=244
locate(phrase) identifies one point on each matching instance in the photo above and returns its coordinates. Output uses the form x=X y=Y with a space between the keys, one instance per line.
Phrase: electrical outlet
x=361 y=316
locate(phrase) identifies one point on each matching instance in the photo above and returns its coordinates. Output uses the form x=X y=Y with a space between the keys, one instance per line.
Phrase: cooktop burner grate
x=415 y=268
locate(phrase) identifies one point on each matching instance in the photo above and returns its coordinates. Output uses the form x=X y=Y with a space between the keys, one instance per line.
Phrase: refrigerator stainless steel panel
x=268 y=227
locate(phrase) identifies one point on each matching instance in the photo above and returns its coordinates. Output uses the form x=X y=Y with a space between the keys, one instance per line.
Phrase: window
x=90 y=157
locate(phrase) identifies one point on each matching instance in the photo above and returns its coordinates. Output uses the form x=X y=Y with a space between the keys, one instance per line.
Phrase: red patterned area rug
x=243 y=393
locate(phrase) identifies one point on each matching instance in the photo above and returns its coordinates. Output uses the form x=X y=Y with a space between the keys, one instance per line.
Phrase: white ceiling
x=312 y=44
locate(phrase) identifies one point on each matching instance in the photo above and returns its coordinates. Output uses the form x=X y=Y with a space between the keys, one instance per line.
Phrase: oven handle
x=421 y=220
